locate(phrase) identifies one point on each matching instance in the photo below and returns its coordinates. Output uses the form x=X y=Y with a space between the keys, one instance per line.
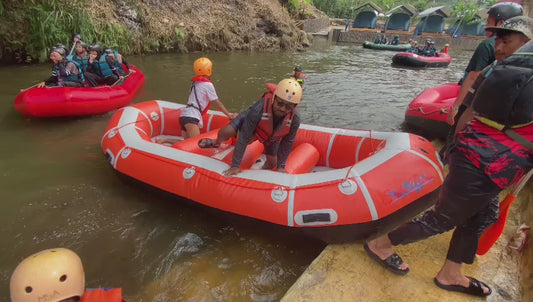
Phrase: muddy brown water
x=57 y=189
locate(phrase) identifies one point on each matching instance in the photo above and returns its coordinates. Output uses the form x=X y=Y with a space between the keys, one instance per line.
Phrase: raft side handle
x=316 y=217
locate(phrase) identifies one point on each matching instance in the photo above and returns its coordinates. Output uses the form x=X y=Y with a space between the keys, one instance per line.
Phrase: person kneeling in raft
x=273 y=120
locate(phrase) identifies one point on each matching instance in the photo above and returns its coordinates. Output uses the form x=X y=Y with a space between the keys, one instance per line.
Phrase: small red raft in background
x=428 y=112
x=341 y=185
x=78 y=101
x=414 y=60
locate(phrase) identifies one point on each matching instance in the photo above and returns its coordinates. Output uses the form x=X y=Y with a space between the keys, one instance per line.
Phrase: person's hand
x=232 y=115
x=132 y=71
x=41 y=85
x=231 y=172
x=451 y=115
x=121 y=77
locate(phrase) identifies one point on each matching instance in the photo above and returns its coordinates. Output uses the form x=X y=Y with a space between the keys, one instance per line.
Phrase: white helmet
x=50 y=275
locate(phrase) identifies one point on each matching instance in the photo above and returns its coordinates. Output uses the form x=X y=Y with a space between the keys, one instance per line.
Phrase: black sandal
x=207 y=143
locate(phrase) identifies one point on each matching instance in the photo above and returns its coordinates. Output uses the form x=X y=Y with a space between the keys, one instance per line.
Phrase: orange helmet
x=289 y=90
x=52 y=275
x=202 y=67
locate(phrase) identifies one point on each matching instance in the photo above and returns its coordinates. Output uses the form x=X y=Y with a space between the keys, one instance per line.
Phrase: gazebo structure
x=399 y=18
x=432 y=20
x=474 y=27
x=367 y=17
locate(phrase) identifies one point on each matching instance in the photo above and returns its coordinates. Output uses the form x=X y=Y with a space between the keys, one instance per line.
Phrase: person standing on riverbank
x=483 y=56
x=493 y=152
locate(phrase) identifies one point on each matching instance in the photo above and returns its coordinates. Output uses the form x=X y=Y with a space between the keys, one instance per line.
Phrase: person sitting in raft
x=56 y=275
x=110 y=66
x=377 y=40
x=202 y=94
x=75 y=39
x=273 y=120
x=414 y=48
x=446 y=48
x=298 y=76
x=383 y=40
x=64 y=72
x=93 y=72
x=395 y=41
x=81 y=56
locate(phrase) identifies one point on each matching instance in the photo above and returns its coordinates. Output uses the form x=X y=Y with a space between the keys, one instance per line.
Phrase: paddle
x=33 y=86
x=122 y=79
x=493 y=232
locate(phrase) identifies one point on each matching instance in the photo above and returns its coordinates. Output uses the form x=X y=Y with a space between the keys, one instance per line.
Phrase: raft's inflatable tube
x=342 y=185
x=414 y=60
x=78 y=101
x=400 y=47
x=428 y=112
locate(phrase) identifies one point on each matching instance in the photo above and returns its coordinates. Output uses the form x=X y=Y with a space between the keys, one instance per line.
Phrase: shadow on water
x=59 y=191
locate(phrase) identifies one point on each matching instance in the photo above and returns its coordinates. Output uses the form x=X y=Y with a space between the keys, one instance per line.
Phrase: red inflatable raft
x=428 y=112
x=77 y=101
x=342 y=184
x=414 y=60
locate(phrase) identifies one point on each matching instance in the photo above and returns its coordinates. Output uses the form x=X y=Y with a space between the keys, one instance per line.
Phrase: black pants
x=468 y=201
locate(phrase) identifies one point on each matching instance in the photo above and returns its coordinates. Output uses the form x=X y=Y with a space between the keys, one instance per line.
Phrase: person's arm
x=111 y=64
x=286 y=143
x=224 y=110
x=467 y=84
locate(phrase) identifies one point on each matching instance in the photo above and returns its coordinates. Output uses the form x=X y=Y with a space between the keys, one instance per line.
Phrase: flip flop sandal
x=475 y=288
x=392 y=263
x=207 y=143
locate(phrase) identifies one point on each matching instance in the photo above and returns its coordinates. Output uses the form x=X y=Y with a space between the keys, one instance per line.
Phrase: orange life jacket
x=102 y=295
x=265 y=129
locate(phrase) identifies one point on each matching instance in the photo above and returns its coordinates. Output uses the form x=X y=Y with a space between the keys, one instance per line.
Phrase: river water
x=57 y=189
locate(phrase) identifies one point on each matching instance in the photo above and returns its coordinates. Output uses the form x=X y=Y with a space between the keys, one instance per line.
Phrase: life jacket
x=264 y=131
x=197 y=106
x=300 y=79
x=445 y=50
x=72 y=77
x=102 y=295
x=107 y=70
x=505 y=98
x=83 y=62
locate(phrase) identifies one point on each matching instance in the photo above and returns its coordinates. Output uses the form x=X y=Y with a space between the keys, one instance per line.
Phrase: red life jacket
x=193 y=90
x=102 y=295
x=265 y=129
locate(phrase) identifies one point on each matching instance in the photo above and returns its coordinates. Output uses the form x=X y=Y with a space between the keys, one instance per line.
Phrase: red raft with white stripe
x=78 y=101
x=414 y=60
x=342 y=185
x=428 y=112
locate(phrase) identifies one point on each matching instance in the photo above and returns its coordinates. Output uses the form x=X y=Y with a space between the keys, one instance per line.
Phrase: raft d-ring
x=279 y=194
x=188 y=173
x=348 y=187
x=125 y=153
x=154 y=116
x=111 y=134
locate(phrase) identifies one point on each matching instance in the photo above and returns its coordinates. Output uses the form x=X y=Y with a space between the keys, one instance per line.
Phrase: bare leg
x=450 y=274
x=224 y=134
x=382 y=246
x=191 y=130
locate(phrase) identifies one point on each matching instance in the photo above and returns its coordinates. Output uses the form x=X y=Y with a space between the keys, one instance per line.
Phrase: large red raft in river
x=78 y=101
x=428 y=112
x=343 y=185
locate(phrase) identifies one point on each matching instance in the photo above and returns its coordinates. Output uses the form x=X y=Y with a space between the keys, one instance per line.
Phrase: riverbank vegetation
x=28 y=28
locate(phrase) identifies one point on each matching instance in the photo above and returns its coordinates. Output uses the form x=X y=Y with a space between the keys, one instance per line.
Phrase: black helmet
x=59 y=50
x=76 y=36
x=61 y=45
x=505 y=10
x=96 y=47
x=298 y=68
x=108 y=50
